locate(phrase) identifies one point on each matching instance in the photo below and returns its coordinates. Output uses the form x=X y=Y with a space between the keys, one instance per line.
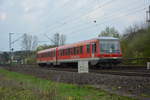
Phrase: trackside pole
x=148 y=65
x=83 y=67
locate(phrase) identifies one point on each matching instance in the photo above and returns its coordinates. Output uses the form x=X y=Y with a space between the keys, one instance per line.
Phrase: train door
x=93 y=49
x=56 y=56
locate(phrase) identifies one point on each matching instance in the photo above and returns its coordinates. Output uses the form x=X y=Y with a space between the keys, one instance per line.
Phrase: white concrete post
x=83 y=67
x=148 y=65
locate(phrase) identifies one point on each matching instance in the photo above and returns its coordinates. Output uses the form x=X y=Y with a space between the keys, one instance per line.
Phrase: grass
x=16 y=86
x=145 y=95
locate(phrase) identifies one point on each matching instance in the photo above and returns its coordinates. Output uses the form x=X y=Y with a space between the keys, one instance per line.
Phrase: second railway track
x=122 y=72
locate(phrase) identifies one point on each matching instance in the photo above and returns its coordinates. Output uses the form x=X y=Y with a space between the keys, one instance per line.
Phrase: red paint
x=77 y=56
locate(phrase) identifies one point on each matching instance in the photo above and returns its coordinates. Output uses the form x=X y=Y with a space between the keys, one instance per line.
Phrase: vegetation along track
x=122 y=84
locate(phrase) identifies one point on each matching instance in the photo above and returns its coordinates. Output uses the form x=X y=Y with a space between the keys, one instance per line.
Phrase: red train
x=99 y=51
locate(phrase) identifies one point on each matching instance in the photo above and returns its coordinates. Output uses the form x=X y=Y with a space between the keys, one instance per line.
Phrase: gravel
x=135 y=86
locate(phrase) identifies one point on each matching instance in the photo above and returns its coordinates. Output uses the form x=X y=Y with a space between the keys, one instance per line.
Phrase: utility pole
x=10 y=47
x=148 y=17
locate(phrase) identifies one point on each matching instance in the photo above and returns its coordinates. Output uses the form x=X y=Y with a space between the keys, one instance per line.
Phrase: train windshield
x=109 y=46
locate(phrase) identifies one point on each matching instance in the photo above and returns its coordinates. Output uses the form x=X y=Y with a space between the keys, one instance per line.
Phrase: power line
x=81 y=16
x=63 y=23
x=54 y=11
x=89 y=27
x=111 y=15
x=17 y=39
x=106 y=17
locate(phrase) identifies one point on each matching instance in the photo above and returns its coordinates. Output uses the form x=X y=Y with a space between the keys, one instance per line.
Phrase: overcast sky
x=74 y=18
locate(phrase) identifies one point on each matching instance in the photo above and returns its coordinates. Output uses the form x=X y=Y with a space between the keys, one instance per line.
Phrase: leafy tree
x=42 y=47
x=135 y=44
x=109 y=31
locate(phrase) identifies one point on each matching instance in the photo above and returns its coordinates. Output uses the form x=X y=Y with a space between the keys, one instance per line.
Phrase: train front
x=110 y=51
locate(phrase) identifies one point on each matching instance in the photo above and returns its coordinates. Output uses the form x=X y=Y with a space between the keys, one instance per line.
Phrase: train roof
x=47 y=50
x=107 y=38
x=87 y=41
x=79 y=43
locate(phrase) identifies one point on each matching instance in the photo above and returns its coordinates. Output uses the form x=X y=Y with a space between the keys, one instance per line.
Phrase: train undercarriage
x=100 y=63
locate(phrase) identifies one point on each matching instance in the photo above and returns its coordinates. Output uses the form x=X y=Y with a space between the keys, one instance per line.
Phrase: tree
x=62 y=39
x=58 y=39
x=42 y=47
x=135 y=43
x=5 y=57
x=109 y=31
x=29 y=42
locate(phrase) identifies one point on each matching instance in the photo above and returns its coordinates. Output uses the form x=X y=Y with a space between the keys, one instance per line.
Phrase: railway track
x=133 y=81
x=117 y=71
x=122 y=72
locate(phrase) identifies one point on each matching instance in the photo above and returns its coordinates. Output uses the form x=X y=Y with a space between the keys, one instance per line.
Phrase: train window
x=74 y=50
x=78 y=50
x=48 y=54
x=69 y=51
x=88 y=48
x=81 y=49
x=61 y=52
x=43 y=54
x=51 y=54
x=109 y=46
x=94 y=48
x=64 y=52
